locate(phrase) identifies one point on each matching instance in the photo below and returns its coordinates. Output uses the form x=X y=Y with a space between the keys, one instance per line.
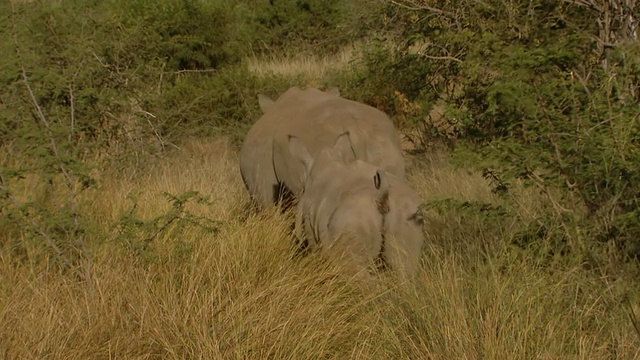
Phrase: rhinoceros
x=357 y=209
x=315 y=117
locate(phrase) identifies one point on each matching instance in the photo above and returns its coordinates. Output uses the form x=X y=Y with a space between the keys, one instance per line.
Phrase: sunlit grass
x=312 y=67
x=243 y=293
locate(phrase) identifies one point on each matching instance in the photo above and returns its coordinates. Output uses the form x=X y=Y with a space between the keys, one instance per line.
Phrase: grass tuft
x=242 y=293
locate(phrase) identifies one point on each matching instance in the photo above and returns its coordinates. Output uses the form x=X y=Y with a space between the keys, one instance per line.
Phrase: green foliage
x=116 y=79
x=185 y=34
x=382 y=74
x=79 y=78
x=46 y=225
x=536 y=98
x=315 y=26
x=203 y=103
x=470 y=220
x=139 y=235
x=148 y=73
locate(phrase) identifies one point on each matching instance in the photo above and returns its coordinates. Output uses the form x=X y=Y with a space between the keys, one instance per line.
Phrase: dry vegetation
x=315 y=69
x=165 y=276
x=242 y=292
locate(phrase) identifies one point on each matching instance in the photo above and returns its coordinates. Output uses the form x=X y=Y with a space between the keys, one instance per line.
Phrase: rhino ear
x=381 y=183
x=265 y=103
x=342 y=147
x=300 y=152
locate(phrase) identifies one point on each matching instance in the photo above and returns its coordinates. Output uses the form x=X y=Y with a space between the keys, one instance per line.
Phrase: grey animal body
x=316 y=118
x=357 y=209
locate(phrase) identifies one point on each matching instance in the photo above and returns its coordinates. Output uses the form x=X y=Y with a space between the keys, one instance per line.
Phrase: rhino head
x=354 y=208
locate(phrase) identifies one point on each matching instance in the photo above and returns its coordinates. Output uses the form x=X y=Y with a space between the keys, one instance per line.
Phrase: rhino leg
x=282 y=196
x=261 y=184
x=265 y=189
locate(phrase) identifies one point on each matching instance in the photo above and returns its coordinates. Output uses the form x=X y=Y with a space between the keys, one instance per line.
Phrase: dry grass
x=313 y=68
x=241 y=293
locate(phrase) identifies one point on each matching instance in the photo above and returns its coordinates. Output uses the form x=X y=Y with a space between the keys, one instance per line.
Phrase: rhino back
x=318 y=122
x=316 y=118
x=373 y=135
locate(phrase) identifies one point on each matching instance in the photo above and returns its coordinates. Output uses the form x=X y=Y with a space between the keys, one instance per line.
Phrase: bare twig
x=161 y=78
x=100 y=60
x=73 y=113
x=52 y=143
x=633 y=317
x=442 y=58
x=585 y=3
x=195 y=71
x=541 y=185
x=414 y=5
x=34 y=102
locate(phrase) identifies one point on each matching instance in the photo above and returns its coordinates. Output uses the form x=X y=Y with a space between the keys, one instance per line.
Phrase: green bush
x=103 y=72
x=535 y=96
x=210 y=103
x=312 y=26
x=382 y=74
x=85 y=79
x=184 y=34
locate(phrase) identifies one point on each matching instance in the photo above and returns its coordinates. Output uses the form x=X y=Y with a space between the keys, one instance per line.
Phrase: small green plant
x=139 y=235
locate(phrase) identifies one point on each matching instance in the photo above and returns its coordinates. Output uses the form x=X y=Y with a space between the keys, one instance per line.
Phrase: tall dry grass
x=243 y=293
x=314 y=69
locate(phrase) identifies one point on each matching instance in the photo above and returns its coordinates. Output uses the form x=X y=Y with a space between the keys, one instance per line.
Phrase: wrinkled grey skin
x=316 y=118
x=358 y=209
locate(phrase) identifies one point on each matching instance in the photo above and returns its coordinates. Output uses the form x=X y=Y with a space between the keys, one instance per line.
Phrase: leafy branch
x=141 y=234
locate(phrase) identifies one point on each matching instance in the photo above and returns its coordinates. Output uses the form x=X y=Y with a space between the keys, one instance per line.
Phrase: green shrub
x=536 y=96
x=85 y=78
x=315 y=26
x=383 y=72
x=104 y=72
x=210 y=103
